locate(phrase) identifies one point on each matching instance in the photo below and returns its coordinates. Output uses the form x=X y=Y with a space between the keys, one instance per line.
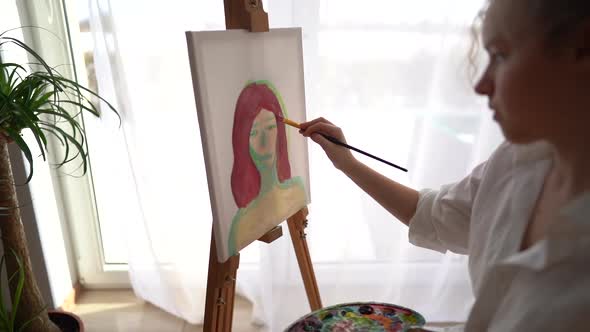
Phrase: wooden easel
x=221 y=280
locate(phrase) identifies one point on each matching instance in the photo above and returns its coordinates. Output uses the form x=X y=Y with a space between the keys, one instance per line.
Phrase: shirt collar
x=525 y=153
x=569 y=239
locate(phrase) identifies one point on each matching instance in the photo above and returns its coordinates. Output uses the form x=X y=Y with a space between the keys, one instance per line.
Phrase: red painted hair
x=245 y=178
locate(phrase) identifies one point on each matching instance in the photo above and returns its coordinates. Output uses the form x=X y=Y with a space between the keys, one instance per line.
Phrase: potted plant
x=8 y=323
x=8 y=315
x=41 y=101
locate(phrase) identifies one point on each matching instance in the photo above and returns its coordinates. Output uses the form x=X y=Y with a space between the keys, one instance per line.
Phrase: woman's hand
x=341 y=157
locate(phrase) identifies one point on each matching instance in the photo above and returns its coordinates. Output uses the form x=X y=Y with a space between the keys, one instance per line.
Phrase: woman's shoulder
x=293 y=190
x=296 y=182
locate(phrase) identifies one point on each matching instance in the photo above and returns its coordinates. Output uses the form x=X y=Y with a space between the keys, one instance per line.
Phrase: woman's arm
x=399 y=200
x=438 y=219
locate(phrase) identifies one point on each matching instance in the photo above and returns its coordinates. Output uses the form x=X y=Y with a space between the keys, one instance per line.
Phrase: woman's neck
x=571 y=166
x=268 y=178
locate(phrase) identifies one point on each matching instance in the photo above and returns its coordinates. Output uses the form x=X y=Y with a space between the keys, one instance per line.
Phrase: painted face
x=263 y=139
x=528 y=86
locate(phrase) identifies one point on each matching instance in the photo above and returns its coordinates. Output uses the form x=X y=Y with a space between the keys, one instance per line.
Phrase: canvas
x=257 y=168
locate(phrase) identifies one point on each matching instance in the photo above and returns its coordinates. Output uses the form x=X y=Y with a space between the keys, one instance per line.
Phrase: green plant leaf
x=31 y=121
x=81 y=106
x=79 y=147
x=7 y=39
x=24 y=148
x=19 y=287
x=35 y=100
x=77 y=85
x=35 y=317
x=42 y=100
x=3 y=312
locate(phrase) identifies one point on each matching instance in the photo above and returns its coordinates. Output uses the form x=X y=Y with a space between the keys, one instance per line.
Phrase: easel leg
x=221 y=288
x=297 y=224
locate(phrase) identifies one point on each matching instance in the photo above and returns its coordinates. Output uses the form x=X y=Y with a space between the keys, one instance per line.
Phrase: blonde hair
x=475 y=47
x=556 y=18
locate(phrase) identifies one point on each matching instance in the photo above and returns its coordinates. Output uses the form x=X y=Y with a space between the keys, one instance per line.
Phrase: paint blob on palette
x=355 y=317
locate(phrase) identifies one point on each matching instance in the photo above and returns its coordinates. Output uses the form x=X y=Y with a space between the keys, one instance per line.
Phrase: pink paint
x=245 y=178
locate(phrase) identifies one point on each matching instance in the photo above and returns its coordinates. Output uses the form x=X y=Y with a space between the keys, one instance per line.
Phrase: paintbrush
x=338 y=142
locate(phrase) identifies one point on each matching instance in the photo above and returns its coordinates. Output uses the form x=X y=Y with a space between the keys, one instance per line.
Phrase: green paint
x=268 y=175
x=264 y=139
x=231 y=245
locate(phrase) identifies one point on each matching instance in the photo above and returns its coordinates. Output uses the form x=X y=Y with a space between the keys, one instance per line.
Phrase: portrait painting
x=257 y=167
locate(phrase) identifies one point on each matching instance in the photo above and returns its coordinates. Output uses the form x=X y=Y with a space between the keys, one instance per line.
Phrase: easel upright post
x=297 y=224
x=245 y=14
x=221 y=280
x=221 y=285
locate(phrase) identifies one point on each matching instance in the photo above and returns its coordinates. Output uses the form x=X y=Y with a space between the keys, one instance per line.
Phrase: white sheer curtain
x=391 y=73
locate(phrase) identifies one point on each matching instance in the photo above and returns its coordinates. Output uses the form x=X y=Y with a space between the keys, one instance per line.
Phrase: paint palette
x=359 y=317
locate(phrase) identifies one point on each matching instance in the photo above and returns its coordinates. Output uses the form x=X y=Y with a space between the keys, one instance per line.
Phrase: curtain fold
x=392 y=74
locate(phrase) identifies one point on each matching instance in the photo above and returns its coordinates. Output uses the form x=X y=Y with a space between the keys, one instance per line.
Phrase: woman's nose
x=263 y=139
x=485 y=85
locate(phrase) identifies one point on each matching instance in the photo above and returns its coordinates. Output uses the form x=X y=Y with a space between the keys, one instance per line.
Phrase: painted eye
x=271 y=127
x=253 y=133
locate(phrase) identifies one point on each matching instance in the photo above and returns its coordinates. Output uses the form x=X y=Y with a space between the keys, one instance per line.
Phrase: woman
x=523 y=216
x=261 y=181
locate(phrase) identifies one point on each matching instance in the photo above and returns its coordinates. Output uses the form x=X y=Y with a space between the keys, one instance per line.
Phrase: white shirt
x=543 y=288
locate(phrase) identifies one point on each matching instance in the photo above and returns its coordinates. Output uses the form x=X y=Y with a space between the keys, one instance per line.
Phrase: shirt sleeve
x=442 y=217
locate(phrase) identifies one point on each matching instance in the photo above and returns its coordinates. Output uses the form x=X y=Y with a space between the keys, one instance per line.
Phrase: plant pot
x=66 y=321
